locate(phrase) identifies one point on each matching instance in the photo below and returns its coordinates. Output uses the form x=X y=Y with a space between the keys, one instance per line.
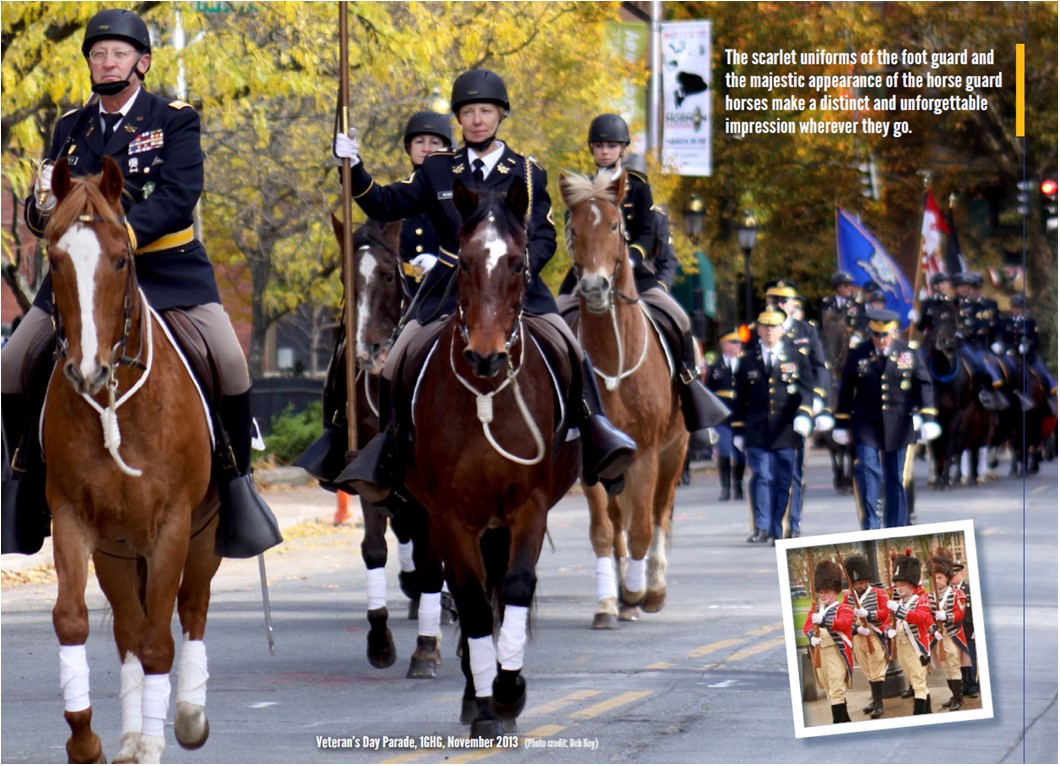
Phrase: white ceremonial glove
x=996 y=347
x=802 y=425
x=930 y=431
x=1023 y=349
x=42 y=188
x=816 y=618
x=346 y=148
x=892 y=605
x=856 y=340
x=737 y=442
x=940 y=615
x=914 y=316
x=891 y=632
x=818 y=405
x=424 y=261
x=864 y=631
x=815 y=641
x=712 y=436
x=863 y=613
x=841 y=437
x=918 y=421
x=823 y=422
x=938 y=636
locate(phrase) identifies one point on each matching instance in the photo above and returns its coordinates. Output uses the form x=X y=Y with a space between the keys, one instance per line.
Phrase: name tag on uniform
x=445 y=194
x=145 y=142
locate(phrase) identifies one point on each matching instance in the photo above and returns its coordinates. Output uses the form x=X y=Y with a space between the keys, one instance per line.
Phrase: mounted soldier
x=970 y=329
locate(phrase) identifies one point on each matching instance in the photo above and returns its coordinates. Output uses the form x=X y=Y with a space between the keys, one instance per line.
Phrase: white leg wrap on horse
x=483 y=664
x=132 y=689
x=375 y=587
x=155 y=704
x=192 y=674
x=73 y=678
x=966 y=464
x=511 y=643
x=635 y=575
x=430 y=614
x=405 y=557
x=984 y=462
x=605 y=579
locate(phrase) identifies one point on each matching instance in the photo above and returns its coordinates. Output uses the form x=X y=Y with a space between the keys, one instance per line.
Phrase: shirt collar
x=124 y=111
x=489 y=160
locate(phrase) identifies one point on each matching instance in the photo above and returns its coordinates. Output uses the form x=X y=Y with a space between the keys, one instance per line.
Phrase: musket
x=343 y=119
x=890 y=594
x=857 y=599
x=940 y=626
x=815 y=651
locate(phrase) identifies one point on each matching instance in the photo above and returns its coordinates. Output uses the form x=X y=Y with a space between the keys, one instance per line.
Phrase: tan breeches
x=873 y=664
x=909 y=659
x=832 y=675
x=951 y=662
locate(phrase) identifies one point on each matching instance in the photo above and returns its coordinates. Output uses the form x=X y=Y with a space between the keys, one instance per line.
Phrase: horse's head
x=596 y=237
x=92 y=272
x=379 y=287
x=942 y=335
x=494 y=271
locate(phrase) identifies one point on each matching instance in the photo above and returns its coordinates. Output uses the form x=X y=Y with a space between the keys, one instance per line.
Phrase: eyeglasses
x=99 y=55
x=881 y=334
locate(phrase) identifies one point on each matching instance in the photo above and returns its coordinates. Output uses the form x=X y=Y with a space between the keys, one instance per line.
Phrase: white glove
x=816 y=618
x=863 y=613
x=42 y=188
x=996 y=347
x=891 y=632
x=818 y=405
x=815 y=641
x=803 y=425
x=737 y=442
x=856 y=340
x=917 y=421
x=914 y=316
x=823 y=422
x=841 y=437
x=940 y=615
x=892 y=605
x=930 y=431
x=938 y=636
x=424 y=261
x=346 y=148
x=1023 y=349
x=712 y=436
x=864 y=631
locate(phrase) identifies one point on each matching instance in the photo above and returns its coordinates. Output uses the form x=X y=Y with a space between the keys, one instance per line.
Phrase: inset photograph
x=881 y=629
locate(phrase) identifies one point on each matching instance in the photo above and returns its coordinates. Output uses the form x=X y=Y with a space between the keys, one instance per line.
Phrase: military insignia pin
x=149 y=187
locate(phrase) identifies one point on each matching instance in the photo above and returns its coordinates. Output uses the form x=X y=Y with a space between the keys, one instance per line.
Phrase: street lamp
x=436 y=102
x=747 y=235
x=695 y=216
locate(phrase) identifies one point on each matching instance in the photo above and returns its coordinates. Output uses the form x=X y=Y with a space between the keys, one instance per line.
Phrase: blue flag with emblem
x=858 y=253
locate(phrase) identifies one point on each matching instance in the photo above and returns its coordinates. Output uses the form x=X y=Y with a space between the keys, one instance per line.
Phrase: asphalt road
x=704 y=681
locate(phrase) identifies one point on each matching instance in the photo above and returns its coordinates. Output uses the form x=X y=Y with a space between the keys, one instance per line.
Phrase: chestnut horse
x=135 y=496
x=639 y=396
x=483 y=461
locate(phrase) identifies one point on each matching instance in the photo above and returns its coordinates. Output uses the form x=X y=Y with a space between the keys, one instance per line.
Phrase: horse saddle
x=191 y=343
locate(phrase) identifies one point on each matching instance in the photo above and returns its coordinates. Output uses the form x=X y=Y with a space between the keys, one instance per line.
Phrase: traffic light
x=1048 y=189
x=867 y=179
x=1023 y=197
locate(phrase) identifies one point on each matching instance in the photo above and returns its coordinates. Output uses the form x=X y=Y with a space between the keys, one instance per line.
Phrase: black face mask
x=114 y=88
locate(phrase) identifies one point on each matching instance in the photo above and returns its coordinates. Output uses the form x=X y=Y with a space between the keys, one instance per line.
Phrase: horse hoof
x=628 y=613
x=426 y=658
x=487 y=727
x=653 y=601
x=422 y=669
x=382 y=653
x=130 y=743
x=509 y=695
x=605 y=621
x=629 y=598
x=191 y=726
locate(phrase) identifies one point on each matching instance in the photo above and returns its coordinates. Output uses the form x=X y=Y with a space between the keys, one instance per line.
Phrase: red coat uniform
x=915 y=612
x=953 y=604
x=873 y=600
x=838 y=621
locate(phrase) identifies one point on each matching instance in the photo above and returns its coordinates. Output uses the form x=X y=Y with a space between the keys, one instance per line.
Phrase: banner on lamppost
x=630 y=42
x=685 y=80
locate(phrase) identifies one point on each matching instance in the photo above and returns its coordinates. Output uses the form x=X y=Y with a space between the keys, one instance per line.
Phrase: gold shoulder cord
x=529 y=192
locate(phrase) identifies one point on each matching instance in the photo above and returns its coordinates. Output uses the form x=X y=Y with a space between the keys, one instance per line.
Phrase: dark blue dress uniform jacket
x=767 y=403
x=878 y=395
x=804 y=335
x=157 y=148
x=853 y=310
x=430 y=190
x=721 y=380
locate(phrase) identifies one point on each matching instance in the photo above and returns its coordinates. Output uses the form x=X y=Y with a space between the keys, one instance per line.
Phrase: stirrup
x=247 y=525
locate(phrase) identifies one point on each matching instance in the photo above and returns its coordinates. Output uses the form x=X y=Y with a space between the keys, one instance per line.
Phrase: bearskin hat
x=857 y=567
x=827 y=575
x=906 y=568
x=942 y=562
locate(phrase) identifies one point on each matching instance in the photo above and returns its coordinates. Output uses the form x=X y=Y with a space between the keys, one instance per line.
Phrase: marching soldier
x=970 y=672
x=480 y=103
x=983 y=366
x=871 y=645
x=948 y=605
x=844 y=301
x=885 y=398
x=773 y=407
x=828 y=627
x=721 y=379
x=912 y=628
x=155 y=142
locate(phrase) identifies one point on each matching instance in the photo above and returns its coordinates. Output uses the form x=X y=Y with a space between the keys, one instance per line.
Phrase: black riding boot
x=701 y=408
x=958 y=695
x=247 y=526
x=26 y=520
x=606 y=451
x=737 y=479
x=725 y=477
x=840 y=714
x=373 y=471
x=875 y=710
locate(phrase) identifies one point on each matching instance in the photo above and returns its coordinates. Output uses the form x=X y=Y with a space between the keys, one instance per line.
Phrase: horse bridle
x=517 y=322
x=613 y=292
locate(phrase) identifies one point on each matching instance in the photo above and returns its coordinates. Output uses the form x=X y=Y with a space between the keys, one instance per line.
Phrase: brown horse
x=484 y=462
x=135 y=497
x=640 y=397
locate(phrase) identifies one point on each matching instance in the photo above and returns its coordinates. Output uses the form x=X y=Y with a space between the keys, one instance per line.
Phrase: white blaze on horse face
x=597 y=215
x=82 y=245
x=364 y=311
x=490 y=240
x=595 y=269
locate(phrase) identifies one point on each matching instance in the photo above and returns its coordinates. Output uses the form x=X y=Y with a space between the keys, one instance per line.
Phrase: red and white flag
x=932 y=253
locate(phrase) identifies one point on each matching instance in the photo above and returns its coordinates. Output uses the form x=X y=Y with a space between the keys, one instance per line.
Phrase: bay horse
x=836 y=336
x=382 y=290
x=1022 y=424
x=134 y=497
x=483 y=461
x=952 y=385
x=628 y=529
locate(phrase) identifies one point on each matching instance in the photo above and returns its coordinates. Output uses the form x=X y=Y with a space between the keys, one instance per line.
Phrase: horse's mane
x=577 y=189
x=83 y=198
x=371 y=235
x=508 y=223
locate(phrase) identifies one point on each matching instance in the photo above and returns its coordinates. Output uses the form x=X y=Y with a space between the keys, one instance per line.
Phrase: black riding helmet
x=842 y=278
x=117 y=24
x=430 y=124
x=1018 y=301
x=608 y=127
x=477 y=86
x=938 y=279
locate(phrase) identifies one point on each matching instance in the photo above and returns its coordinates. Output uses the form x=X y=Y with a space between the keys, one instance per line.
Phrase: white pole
x=654 y=83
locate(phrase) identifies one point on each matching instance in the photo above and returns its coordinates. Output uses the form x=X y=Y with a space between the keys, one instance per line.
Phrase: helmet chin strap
x=480 y=146
x=114 y=88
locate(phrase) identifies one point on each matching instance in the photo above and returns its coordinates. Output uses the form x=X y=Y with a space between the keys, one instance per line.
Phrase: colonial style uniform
x=879 y=395
x=912 y=630
x=721 y=379
x=828 y=627
x=948 y=605
x=871 y=644
x=770 y=395
x=969 y=671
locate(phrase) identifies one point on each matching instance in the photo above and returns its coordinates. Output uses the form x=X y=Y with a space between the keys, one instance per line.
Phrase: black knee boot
x=840 y=714
x=373 y=472
x=26 y=520
x=725 y=477
x=247 y=526
x=700 y=407
x=606 y=451
x=875 y=708
x=958 y=695
x=737 y=479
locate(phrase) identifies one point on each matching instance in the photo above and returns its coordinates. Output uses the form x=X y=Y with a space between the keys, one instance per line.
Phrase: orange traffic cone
x=342 y=512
